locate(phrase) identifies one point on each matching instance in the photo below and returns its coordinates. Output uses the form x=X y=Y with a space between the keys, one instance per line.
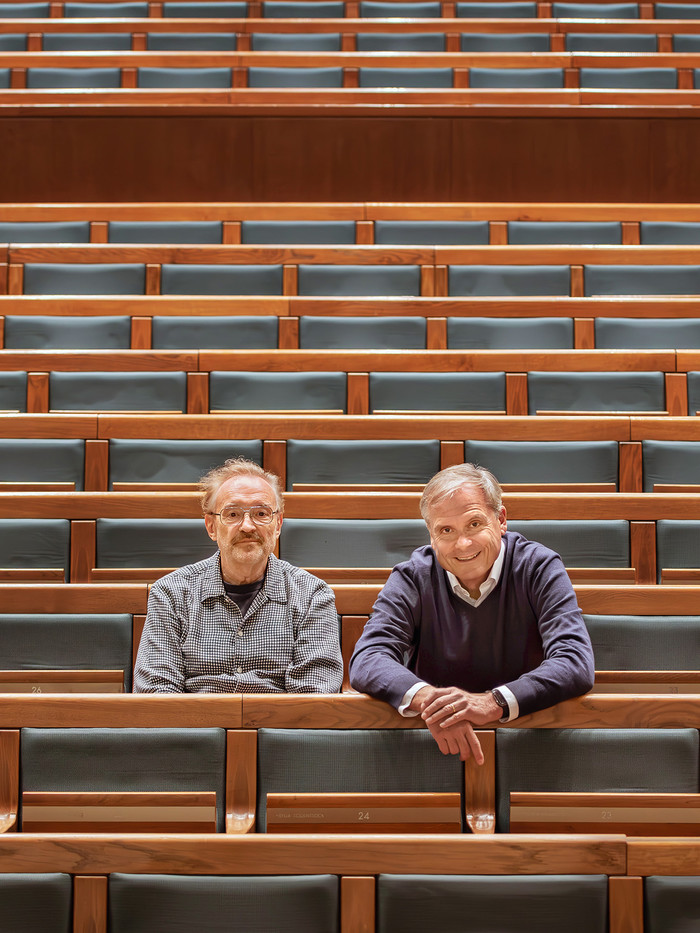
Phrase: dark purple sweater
x=527 y=635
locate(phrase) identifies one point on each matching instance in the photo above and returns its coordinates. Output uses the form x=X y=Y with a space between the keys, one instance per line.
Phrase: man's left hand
x=452 y=706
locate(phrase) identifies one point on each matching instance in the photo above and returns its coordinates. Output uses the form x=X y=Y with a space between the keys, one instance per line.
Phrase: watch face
x=500 y=699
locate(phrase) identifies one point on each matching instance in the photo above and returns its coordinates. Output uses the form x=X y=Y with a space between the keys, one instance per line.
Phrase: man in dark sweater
x=481 y=626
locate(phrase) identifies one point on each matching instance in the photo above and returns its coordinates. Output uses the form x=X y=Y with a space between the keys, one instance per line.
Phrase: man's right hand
x=459 y=739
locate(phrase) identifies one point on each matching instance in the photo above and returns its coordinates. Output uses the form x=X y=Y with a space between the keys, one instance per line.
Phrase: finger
x=439 y=714
x=435 y=704
x=474 y=745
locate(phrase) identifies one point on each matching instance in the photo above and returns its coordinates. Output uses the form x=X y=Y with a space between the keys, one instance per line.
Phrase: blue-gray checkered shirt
x=196 y=641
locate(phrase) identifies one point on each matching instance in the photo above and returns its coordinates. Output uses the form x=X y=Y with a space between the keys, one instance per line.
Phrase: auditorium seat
x=42 y=460
x=521 y=9
x=549 y=232
x=492 y=903
x=124 y=543
x=671 y=232
x=516 y=77
x=216 y=10
x=610 y=42
x=377 y=462
x=481 y=333
x=43 y=642
x=127 y=760
x=65 y=278
x=277 y=391
x=117 y=391
x=504 y=42
x=51 y=332
x=95 y=10
x=671 y=904
x=259 y=76
x=647 y=333
x=525 y=462
x=246 y=332
x=73 y=77
x=593 y=760
x=677 y=10
x=24 y=10
x=35 y=545
x=13 y=391
x=658 y=78
x=413 y=391
x=295 y=42
x=400 y=42
x=157 y=903
x=184 y=77
x=406 y=77
x=693 y=393
x=645 y=643
x=562 y=10
x=595 y=391
x=431 y=232
x=686 y=43
x=302 y=232
x=670 y=463
x=13 y=42
x=372 y=333
x=36 y=903
x=86 y=42
x=221 y=280
x=499 y=280
x=191 y=41
x=303 y=9
x=336 y=543
x=348 y=280
x=641 y=280
x=165 y=231
x=599 y=544
x=380 y=10
x=677 y=545
x=357 y=760
x=156 y=460
x=45 y=231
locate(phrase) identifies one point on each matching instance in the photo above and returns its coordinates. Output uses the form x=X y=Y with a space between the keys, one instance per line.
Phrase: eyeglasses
x=234 y=514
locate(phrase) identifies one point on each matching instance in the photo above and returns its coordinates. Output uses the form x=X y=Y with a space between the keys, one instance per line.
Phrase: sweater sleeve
x=378 y=664
x=567 y=669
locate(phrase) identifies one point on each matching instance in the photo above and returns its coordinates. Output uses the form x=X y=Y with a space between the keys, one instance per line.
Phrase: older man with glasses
x=241 y=621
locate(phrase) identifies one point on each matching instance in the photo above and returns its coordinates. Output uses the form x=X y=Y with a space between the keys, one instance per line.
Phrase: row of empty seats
x=139 y=463
x=338 y=9
x=50 y=773
x=339 y=332
x=105 y=75
x=340 y=392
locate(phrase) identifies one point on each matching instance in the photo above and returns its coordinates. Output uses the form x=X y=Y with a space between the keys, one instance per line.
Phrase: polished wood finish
x=90 y=904
x=61 y=681
x=364 y=813
x=241 y=780
x=357 y=904
x=9 y=779
x=480 y=787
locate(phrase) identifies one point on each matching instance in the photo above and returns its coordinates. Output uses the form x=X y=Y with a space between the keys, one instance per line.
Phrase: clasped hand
x=451 y=714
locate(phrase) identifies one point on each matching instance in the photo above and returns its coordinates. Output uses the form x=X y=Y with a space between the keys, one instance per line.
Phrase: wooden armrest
x=119 y=812
x=9 y=779
x=634 y=814
x=154 y=487
x=647 y=682
x=364 y=813
x=128 y=574
x=594 y=575
x=351 y=574
x=680 y=575
x=480 y=787
x=61 y=681
x=32 y=575
x=37 y=487
x=676 y=487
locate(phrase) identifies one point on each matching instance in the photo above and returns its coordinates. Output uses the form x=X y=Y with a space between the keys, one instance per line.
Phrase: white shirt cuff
x=407 y=697
x=513 y=707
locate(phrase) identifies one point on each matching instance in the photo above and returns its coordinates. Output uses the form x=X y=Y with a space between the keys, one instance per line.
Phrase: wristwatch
x=502 y=702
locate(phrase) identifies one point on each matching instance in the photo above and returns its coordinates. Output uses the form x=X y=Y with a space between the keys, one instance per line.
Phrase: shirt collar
x=273 y=586
x=487 y=586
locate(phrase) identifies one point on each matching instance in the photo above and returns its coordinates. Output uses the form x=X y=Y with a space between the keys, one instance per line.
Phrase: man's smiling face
x=465 y=534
